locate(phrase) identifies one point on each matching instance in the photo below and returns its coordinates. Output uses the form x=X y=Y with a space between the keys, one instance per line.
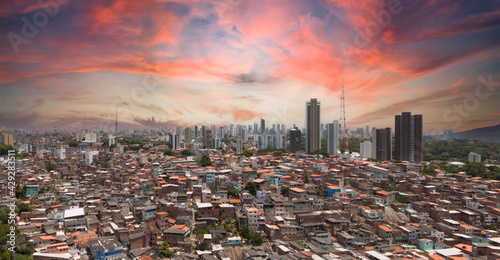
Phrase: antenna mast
x=343 y=144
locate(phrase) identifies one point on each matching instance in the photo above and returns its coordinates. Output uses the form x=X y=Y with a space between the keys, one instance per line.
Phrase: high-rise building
x=409 y=138
x=295 y=138
x=365 y=149
x=279 y=141
x=239 y=145
x=111 y=140
x=61 y=153
x=174 y=141
x=313 y=138
x=195 y=131
x=187 y=135
x=90 y=138
x=382 y=144
x=333 y=137
x=474 y=157
x=207 y=137
x=244 y=134
x=262 y=141
x=262 y=125
x=7 y=139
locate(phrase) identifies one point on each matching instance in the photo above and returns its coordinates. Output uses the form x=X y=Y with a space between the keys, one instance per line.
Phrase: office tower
x=333 y=137
x=239 y=145
x=367 y=132
x=262 y=141
x=89 y=157
x=365 y=149
x=91 y=138
x=207 y=137
x=7 y=139
x=295 y=138
x=408 y=137
x=262 y=125
x=244 y=134
x=187 y=135
x=313 y=141
x=216 y=142
x=474 y=157
x=255 y=128
x=61 y=153
x=195 y=131
x=382 y=144
x=174 y=141
x=279 y=141
x=111 y=140
x=221 y=132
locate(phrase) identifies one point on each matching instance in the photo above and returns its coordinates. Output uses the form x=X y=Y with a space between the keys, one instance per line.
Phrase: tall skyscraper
x=207 y=137
x=295 y=138
x=333 y=137
x=279 y=141
x=262 y=125
x=365 y=149
x=409 y=138
x=313 y=138
x=239 y=145
x=187 y=135
x=382 y=144
x=7 y=139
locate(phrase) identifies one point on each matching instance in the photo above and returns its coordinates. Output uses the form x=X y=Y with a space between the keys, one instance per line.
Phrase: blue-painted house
x=331 y=190
x=103 y=248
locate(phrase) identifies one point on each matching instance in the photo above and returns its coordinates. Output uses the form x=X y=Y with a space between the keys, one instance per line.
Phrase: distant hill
x=490 y=133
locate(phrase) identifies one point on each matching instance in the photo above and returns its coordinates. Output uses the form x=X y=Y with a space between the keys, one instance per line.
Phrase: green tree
x=187 y=152
x=51 y=167
x=202 y=247
x=168 y=152
x=4 y=149
x=165 y=251
x=251 y=187
x=205 y=161
x=402 y=199
x=149 y=159
x=235 y=193
x=284 y=190
x=248 y=153
x=306 y=178
x=244 y=232
x=23 y=207
x=73 y=143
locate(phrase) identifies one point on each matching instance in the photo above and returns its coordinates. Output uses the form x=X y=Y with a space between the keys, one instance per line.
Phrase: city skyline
x=163 y=64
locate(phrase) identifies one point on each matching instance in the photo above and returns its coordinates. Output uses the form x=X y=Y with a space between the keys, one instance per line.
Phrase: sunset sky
x=167 y=63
